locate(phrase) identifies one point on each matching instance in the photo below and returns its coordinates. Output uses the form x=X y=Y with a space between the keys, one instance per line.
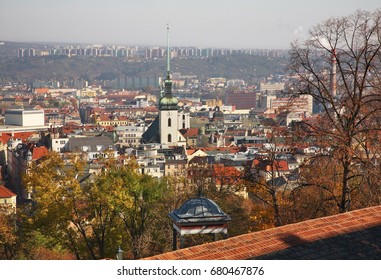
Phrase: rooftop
x=351 y=235
x=199 y=210
x=6 y=193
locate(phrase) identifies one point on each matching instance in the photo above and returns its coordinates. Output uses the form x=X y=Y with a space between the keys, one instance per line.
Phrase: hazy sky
x=201 y=23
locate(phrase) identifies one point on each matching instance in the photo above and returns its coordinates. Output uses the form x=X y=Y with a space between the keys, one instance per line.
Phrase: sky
x=271 y=24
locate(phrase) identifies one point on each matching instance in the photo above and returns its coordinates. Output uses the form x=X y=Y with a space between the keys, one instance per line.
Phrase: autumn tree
x=339 y=66
x=8 y=236
x=64 y=211
x=224 y=185
x=267 y=181
x=318 y=193
x=91 y=215
x=143 y=195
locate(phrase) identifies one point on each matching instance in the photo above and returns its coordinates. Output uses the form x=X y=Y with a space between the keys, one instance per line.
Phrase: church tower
x=168 y=109
x=165 y=129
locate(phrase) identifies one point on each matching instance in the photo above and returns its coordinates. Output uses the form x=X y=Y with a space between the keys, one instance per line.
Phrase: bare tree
x=266 y=179
x=340 y=66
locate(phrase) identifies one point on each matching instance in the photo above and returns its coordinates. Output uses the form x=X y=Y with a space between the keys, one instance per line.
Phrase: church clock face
x=169 y=114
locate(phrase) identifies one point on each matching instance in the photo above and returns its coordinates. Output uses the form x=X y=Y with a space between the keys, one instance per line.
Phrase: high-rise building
x=21 y=53
x=31 y=52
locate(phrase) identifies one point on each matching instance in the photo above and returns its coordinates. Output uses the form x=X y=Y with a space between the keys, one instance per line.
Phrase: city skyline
x=223 y=24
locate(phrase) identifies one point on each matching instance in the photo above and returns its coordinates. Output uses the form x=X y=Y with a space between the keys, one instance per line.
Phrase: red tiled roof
x=190 y=151
x=351 y=235
x=109 y=128
x=41 y=90
x=190 y=132
x=17 y=135
x=39 y=152
x=226 y=174
x=112 y=118
x=6 y=193
x=265 y=165
x=151 y=109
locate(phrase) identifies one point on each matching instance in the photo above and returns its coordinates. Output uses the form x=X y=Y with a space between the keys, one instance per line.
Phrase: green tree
x=117 y=207
x=59 y=204
x=146 y=195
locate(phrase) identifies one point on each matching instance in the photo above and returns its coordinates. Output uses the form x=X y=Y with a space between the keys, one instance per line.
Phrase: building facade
x=23 y=117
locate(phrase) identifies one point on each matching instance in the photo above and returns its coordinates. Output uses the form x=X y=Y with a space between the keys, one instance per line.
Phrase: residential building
x=114 y=120
x=59 y=145
x=176 y=168
x=271 y=87
x=268 y=169
x=7 y=201
x=241 y=99
x=150 y=161
x=129 y=136
x=19 y=157
x=91 y=147
x=191 y=136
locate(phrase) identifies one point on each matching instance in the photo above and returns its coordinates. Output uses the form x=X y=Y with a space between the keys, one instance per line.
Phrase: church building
x=165 y=128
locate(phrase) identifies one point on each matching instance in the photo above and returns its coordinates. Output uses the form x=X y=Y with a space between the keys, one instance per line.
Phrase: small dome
x=199 y=211
x=199 y=207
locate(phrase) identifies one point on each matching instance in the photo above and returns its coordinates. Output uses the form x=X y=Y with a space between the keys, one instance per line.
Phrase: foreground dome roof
x=199 y=210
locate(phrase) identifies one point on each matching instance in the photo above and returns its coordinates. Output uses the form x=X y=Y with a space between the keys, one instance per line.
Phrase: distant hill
x=242 y=66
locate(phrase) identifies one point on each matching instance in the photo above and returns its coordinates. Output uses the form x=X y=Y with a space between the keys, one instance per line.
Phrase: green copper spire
x=168 y=53
x=167 y=101
x=168 y=81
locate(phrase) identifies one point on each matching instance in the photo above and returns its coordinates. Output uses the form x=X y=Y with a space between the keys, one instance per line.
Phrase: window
x=183 y=125
x=169 y=138
x=183 y=117
x=169 y=122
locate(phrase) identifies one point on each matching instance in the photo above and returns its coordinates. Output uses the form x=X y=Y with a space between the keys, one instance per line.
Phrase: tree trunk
x=277 y=219
x=345 y=203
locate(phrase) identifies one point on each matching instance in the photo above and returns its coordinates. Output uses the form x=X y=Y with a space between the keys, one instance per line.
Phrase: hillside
x=25 y=70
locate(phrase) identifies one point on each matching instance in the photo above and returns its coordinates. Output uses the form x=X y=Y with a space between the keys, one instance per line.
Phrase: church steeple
x=168 y=101
x=165 y=128
x=168 y=54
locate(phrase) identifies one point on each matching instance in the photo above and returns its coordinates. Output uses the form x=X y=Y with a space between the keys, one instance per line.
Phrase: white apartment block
x=59 y=145
x=129 y=136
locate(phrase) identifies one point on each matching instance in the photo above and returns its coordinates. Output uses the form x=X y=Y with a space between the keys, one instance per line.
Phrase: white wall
x=24 y=117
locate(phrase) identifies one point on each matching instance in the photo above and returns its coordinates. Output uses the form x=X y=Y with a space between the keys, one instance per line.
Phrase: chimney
x=333 y=74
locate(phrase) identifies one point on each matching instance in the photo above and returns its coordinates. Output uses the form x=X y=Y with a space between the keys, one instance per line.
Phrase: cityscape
x=114 y=151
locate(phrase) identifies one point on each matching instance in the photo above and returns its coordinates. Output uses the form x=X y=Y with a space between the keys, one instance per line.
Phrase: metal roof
x=199 y=211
